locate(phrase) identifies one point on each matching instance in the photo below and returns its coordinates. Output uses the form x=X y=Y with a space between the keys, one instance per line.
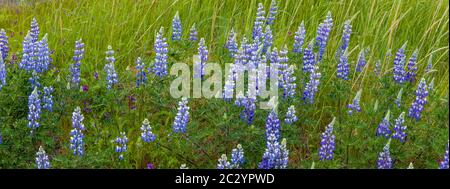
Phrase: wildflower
x=384 y=158
x=237 y=157
x=231 y=44
x=43 y=55
x=141 y=75
x=444 y=163
x=308 y=59
x=288 y=83
x=323 y=31
x=4 y=48
x=160 y=66
x=272 y=12
x=2 y=72
x=268 y=39
x=193 y=33
x=228 y=88
x=377 y=69
x=412 y=67
x=121 y=146
x=249 y=108
x=77 y=57
x=421 y=99
x=34 y=110
x=355 y=103
x=34 y=30
x=273 y=125
x=398 y=100
x=399 y=65
x=299 y=38
x=150 y=166
x=28 y=61
x=399 y=128
x=182 y=117
x=76 y=134
x=383 y=127
x=275 y=155
x=312 y=86
x=47 y=99
x=361 y=61
x=111 y=77
x=42 y=161
x=345 y=38
x=176 y=27
x=146 y=132
x=327 y=144
x=203 y=55
x=259 y=22
x=223 y=162
x=290 y=115
x=343 y=67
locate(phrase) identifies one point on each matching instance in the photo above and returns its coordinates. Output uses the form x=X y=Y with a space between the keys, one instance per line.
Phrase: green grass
x=215 y=128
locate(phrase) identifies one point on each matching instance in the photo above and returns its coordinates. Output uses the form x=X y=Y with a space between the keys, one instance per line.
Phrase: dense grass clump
x=364 y=84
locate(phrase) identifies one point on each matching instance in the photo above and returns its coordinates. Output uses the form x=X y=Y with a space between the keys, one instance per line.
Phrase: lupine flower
x=223 y=162
x=231 y=43
x=275 y=155
x=183 y=166
x=34 y=80
x=399 y=128
x=228 y=88
x=4 y=48
x=76 y=134
x=146 y=132
x=377 y=69
x=398 y=100
x=111 y=75
x=421 y=99
x=34 y=30
x=193 y=33
x=327 y=144
x=43 y=55
x=268 y=39
x=430 y=64
x=410 y=166
x=27 y=63
x=273 y=125
x=182 y=117
x=288 y=83
x=150 y=166
x=160 y=67
x=249 y=108
x=309 y=60
x=345 y=38
x=237 y=157
x=121 y=146
x=354 y=106
x=299 y=38
x=272 y=12
x=77 y=57
x=42 y=161
x=399 y=65
x=383 y=127
x=290 y=115
x=141 y=75
x=176 y=27
x=96 y=75
x=47 y=99
x=34 y=110
x=259 y=22
x=384 y=158
x=443 y=164
x=2 y=72
x=203 y=56
x=311 y=86
x=361 y=61
x=343 y=67
x=412 y=67
x=1 y=138
x=323 y=31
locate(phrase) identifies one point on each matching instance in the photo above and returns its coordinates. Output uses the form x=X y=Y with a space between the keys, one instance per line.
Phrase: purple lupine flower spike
x=203 y=56
x=343 y=67
x=47 y=99
x=412 y=67
x=176 y=28
x=121 y=145
x=399 y=65
x=323 y=32
x=146 y=132
x=223 y=162
x=272 y=12
x=289 y=83
x=345 y=38
x=111 y=75
x=161 y=49
x=361 y=61
x=27 y=62
x=383 y=127
x=327 y=144
x=249 y=104
x=231 y=44
x=421 y=99
x=399 y=128
x=34 y=110
x=443 y=164
x=4 y=45
x=2 y=72
x=273 y=124
x=290 y=115
x=312 y=86
x=384 y=158
x=182 y=117
x=268 y=39
x=354 y=106
x=299 y=38
x=76 y=134
x=309 y=60
x=276 y=155
x=141 y=75
x=259 y=22
x=34 y=30
x=42 y=161
x=193 y=33
x=75 y=67
x=237 y=157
